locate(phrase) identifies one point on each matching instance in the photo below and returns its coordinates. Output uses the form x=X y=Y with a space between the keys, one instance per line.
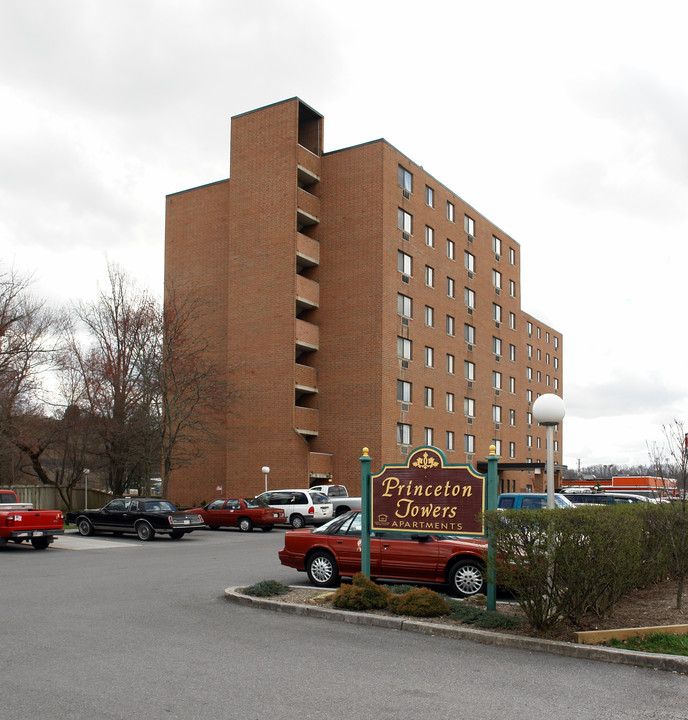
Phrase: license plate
x=275 y=514
x=187 y=522
x=37 y=533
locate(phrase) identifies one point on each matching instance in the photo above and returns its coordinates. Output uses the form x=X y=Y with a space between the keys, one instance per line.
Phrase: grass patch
x=472 y=615
x=266 y=588
x=666 y=643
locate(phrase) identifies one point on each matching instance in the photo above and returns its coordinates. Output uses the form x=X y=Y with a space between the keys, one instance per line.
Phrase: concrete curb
x=656 y=661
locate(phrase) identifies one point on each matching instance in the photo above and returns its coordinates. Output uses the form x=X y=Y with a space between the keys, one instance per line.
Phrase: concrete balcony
x=307 y=293
x=306 y=421
x=305 y=379
x=320 y=465
x=308 y=165
x=307 y=335
x=307 y=209
x=307 y=251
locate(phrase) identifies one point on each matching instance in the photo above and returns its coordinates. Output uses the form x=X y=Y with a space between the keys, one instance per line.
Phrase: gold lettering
x=387 y=483
x=467 y=491
x=405 y=506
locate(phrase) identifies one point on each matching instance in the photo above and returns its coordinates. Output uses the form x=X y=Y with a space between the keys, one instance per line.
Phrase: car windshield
x=255 y=502
x=160 y=506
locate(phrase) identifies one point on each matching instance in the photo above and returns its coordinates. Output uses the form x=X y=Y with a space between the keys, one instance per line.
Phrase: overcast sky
x=565 y=124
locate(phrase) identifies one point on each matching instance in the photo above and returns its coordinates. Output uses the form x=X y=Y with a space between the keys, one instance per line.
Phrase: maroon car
x=334 y=549
x=244 y=513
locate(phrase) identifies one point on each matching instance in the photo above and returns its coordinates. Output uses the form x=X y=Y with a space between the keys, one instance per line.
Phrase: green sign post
x=365 y=512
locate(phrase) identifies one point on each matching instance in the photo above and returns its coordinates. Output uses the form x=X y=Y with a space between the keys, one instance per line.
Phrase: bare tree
x=119 y=325
x=670 y=519
x=191 y=389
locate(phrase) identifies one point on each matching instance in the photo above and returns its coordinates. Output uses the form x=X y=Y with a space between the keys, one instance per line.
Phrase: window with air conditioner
x=469 y=225
x=404 y=263
x=405 y=221
x=403 y=433
x=403 y=391
x=405 y=179
x=469 y=407
x=404 y=305
x=403 y=348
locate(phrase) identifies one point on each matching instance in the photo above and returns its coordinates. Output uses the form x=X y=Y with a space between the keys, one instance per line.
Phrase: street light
x=265 y=471
x=549 y=410
x=86 y=471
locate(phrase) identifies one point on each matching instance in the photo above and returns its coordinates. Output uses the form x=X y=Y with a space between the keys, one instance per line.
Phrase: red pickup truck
x=19 y=522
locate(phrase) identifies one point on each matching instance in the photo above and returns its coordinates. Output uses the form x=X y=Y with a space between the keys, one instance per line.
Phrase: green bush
x=564 y=564
x=362 y=594
x=266 y=588
x=420 y=602
x=472 y=615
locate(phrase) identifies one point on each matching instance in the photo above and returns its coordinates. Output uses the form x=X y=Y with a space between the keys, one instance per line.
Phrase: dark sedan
x=244 y=513
x=144 y=517
x=334 y=550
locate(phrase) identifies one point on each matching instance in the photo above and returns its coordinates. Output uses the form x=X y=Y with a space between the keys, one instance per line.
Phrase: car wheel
x=40 y=543
x=467 y=578
x=84 y=526
x=177 y=534
x=322 y=569
x=245 y=524
x=297 y=522
x=267 y=528
x=145 y=531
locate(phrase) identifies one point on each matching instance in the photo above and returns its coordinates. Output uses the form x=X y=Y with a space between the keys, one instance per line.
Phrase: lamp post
x=86 y=471
x=549 y=410
x=265 y=471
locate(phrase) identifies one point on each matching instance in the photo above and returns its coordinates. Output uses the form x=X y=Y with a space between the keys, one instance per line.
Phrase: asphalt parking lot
x=108 y=627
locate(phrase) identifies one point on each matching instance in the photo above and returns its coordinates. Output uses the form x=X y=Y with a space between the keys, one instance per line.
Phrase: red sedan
x=244 y=513
x=334 y=550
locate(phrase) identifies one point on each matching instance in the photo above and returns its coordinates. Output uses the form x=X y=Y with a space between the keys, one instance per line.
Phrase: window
x=498 y=446
x=539 y=333
x=403 y=391
x=450 y=440
x=496 y=346
x=469 y=334
x=497 y=279
x=512 y=385
x=529 y=373
x=429 y=196
x=429 y=276
x=496 y=245
x=512 y=288
x=529 y=396
x=428 y=436
x=450 y=326
x=539 y=354
x=529 y=441
x=450 y=287
x=512 y=353
x=529 y=328
x=547 y=338
x=496 y=380
x=529 y=418
x=404 y=305
x=546 y=358
x=429 y=316
x=556 y=384
x=469 y=225
x=468 y=370
x=429 y=236
x=405 y=179
x=512 y=418
x=449 y=402
x=403 y=433
x=404 y=348
x=450 y=211
x=539 y=376
x=512 y=320
x=469 y=443
x=469 y=297
x=512 y=256
x=405 y=221
x=496 y=312
x=469 y=407
x=556 y=363
x=429 y=357
x=450 y=363
x=404 y=263
x=450 y=249
x=469 y=261
x=556 y=342
x=529 y=351
x=429 y=397
x=497 y=413
x=512 y=450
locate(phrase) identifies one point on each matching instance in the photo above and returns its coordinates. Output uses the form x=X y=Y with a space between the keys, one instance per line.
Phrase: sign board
x=428 y=495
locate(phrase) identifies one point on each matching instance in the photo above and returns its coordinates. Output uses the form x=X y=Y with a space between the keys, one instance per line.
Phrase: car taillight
x=311 y=510
x=10 y=519
x=169 y=520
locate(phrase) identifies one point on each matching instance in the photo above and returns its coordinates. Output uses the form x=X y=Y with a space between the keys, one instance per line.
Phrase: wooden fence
x=45 y=497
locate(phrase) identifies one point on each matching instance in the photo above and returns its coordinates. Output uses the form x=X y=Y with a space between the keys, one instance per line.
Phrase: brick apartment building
x=356 y=302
